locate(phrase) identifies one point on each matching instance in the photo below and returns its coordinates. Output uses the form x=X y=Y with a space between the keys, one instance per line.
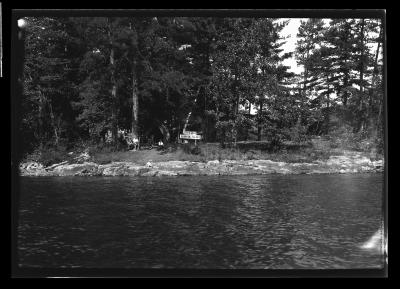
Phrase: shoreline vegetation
x=317 y=157
x=95 y=88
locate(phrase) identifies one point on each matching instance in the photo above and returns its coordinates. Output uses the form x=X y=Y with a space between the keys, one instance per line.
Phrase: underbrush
x=367 y=141
x=48 y=156
x=290 y=153
x=320 y=148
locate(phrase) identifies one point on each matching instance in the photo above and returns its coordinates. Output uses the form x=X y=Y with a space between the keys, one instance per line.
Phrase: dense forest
x=89 y=78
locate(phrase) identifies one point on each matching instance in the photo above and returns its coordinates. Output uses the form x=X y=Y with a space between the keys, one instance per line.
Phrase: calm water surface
x=270 y=221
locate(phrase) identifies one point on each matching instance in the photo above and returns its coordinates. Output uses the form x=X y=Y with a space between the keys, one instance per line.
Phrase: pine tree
x=309 y=37
x=49 y=87
x=271 y=76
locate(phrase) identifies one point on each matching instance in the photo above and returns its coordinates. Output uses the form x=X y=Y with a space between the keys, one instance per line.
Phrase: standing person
x=135 y=142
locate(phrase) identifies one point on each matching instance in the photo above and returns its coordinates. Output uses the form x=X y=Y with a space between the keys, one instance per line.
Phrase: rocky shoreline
x=348 y=163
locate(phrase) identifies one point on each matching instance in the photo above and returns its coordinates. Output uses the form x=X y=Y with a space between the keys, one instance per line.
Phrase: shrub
x=298 y=133
x=186 y=148
x=195 y=151
x=52 y=156
x=226 y=131
x=251 y=155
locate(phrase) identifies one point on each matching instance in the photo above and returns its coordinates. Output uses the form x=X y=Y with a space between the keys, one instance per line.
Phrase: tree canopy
x=224 y=77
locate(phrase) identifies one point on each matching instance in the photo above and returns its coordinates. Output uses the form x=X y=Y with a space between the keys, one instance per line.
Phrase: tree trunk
x=346 y=71
x=179 y=131
x=53 y=123
x=237 y=96
x=259 y=129
x=164 y=130
x=205 y=118
x=190 y=112
x=135 y=93
x=345 y=94
x=373 y=84
x=135 y=105
x=345 y=83
x=113 y=89
x=360 y=100
x=40 y=118
x=306 y=75
x=362 y=57
x=327 y=114
x=247 y=130
x=187 y=121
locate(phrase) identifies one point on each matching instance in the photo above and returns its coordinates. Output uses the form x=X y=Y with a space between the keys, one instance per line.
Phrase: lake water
x=269 y=221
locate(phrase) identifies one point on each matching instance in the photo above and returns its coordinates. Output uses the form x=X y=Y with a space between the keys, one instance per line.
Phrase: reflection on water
x=274 y=221
x=375 y=243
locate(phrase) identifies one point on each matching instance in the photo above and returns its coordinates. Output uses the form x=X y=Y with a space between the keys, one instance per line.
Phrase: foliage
x=85 y=77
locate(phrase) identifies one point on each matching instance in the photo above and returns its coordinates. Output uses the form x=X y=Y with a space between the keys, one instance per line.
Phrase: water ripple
x=277 y=221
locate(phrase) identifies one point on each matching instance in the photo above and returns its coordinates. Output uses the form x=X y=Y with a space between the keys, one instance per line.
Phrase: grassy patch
x=201 y=153
x=320 y=148
x=255 y=151
x=48 y=156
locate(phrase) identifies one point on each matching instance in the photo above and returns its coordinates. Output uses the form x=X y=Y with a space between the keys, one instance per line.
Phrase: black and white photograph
x=201 y=141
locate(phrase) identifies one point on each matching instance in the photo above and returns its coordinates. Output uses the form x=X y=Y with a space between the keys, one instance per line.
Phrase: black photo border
x=12 y=68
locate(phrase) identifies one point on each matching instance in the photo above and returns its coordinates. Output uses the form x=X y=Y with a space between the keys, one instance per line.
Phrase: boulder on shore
x=87 y=168
x=32 y=169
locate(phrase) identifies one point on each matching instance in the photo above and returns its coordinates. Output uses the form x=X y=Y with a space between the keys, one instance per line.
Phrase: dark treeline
x=85 y=77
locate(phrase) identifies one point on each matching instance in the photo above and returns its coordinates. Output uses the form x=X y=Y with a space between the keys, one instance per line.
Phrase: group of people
x=131 y=140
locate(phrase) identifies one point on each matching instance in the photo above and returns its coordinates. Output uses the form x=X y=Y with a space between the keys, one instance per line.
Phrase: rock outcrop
x=353 y=163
